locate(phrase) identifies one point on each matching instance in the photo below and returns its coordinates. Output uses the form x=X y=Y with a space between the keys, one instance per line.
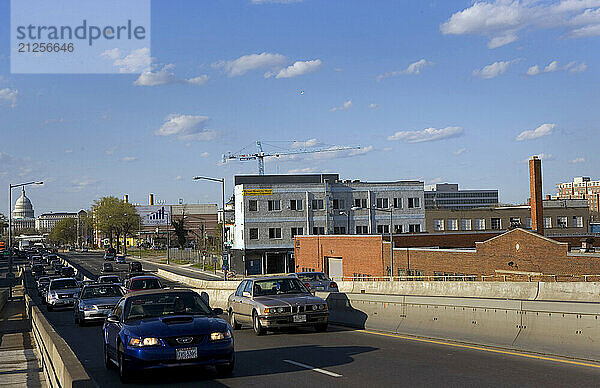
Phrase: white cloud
x=460 y=151
x=187 y=127
x=178 y=178
x=387 y=149
x=427 y=134
x=577 y=160
x=542 y=130
x=305 y=170
x=502 y=20
x=204 y=155
x=161 y=77
x=128 y=159
x=345 y=106
x=337 y=152
x=82 y=184
x=298 y=68
x=573 y=67
x=110 y=150
x=246 y=63
x=543 y=156
x=9 y=96
x=493 y=70
x=199 y=81
x=373 y=106
x=68 y=151
x=305 y=144
x=138 y=60
x=413 y=68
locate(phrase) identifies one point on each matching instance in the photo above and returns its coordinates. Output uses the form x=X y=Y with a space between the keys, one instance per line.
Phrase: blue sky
x=441 y=91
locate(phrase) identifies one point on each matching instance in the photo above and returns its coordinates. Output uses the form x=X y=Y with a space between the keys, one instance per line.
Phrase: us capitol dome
x=23 y=215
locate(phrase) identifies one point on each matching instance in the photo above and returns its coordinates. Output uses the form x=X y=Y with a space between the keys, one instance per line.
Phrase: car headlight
x=53 y=295
x=87 y=307
x=314 y=307
x=141 y=342
x=218 y=336
x=280 y=309
x=322 y=307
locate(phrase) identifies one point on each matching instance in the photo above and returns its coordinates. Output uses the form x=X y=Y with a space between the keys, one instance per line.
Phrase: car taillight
x=307 y=285
x=333 y=285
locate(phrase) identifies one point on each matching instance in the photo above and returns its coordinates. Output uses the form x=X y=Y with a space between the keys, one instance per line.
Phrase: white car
x=62 y=292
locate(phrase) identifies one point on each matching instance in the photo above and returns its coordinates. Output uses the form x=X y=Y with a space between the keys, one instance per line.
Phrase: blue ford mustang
x=164 y=328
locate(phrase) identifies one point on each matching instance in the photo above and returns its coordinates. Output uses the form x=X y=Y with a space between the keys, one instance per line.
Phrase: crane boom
x=260 y=155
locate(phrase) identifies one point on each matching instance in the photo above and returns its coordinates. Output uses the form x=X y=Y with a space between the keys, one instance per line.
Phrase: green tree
x=115 y=217
x=64 y=232
x=3 y=228
x=180 y=231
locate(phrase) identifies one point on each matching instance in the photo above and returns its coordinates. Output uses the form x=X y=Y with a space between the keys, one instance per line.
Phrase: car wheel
x=320 y=327
x=226 y=369
x=49 y=307
x=123 y=371
x=107 y=361
x=256 y=325
x=233 y=322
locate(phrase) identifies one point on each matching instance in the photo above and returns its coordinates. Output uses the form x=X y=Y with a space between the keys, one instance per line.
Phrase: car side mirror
x=112 y=319
x=246 y=294
x=217 y=311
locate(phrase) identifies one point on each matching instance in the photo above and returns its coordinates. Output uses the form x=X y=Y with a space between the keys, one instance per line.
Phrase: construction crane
x=260 y=154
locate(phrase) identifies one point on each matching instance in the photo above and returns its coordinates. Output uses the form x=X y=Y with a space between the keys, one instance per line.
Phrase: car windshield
x=90 y=292
x=161 y=305
x=279 y=286
x=311 y=277
x=63 y=284
x=109 y=279
x=144 y=284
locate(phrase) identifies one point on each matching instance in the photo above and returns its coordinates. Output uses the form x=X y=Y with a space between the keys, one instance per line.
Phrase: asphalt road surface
x=339 y=358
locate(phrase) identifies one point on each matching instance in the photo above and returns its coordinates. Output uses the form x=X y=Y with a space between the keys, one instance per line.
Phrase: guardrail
x=487 y=278
x=61 y=367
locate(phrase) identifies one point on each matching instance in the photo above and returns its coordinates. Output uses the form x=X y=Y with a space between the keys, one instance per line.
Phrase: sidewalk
x=183 y=267
x=18 y=361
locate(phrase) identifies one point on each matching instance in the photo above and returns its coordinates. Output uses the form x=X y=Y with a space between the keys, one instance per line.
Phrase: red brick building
x=517 y=254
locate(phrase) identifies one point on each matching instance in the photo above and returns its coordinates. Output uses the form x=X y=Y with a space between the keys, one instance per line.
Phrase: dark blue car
x=166 y=328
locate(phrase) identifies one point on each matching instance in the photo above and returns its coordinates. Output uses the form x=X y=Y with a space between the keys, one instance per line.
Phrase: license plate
x=299 y=318
x=186 y=353
x=320 y=288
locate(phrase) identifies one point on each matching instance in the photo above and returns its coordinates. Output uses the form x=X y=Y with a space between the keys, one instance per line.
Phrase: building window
x=438 y=225
x=362 y=229
x=465 y=224
x=318 y=230
x=414 y=228
x=496 y=224
x=398 y=203
x=296 y=204
x=381 y=203
x=561 y=222
x=452 y=224
x=297 y=232
x=547 y=222
x=339 y=204
x=274 y=232
x=397 y=228
x=515 y=222
x=253 y=205
x=528 y=223
x=339 y=230
x=253 y=233
x=360 y=202
x=317 y=204
x=413 y=203
x=383 y=228
x=274 y=205
x=578 y=221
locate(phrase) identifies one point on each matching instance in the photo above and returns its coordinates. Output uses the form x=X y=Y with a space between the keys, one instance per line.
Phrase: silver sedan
x=276 y=302
x=96 y=301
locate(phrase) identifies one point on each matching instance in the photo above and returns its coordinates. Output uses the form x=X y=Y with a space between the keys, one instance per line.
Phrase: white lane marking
x=325 y=372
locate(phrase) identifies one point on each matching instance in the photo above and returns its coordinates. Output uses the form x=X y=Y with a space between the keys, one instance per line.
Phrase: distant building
x=582 y=188
x=448 y=196
x=47 y=221
x=560 y=217
x=23 y=216
x=271 y=209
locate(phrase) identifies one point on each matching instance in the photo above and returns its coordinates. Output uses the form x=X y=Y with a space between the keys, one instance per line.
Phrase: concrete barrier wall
x=61 y=366
x=563 y=291
x=3 y=298
x=550 y=318
x=559 y=328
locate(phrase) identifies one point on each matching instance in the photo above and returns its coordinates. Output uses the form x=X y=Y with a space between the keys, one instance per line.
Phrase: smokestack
x=535 y=188
x=126 y=198
x=151 y=199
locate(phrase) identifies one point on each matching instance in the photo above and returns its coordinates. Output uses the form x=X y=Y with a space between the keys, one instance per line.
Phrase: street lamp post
x=10 y=258
x=222 y=181
x=391 y=234
x=347 y=214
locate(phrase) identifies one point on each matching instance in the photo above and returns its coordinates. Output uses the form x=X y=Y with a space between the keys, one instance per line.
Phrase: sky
x=439 y=91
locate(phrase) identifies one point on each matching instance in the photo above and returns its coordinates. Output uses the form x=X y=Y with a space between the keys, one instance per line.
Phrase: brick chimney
x=535 y=188
x=151 y=199
x=126 y=198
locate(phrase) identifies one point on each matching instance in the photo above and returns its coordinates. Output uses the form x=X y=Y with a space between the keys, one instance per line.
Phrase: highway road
x=339 y=357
